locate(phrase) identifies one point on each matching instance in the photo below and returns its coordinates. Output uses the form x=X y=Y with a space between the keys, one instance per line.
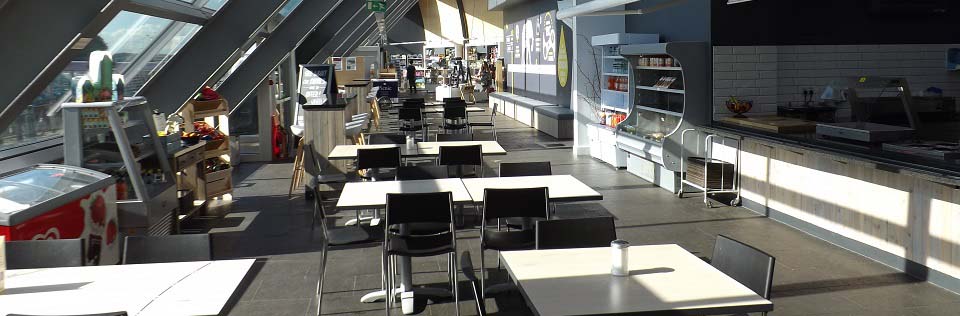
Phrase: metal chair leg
x=456 y=282
x=323 y=274
x=483 y=277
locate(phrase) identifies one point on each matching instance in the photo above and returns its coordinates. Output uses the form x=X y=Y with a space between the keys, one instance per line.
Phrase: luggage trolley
x=709 y=174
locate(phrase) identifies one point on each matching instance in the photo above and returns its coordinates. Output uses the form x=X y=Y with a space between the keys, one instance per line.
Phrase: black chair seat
x=488 y=124
x=422 y=172
x=389 y=175
x=509 y=240
x=454 y=126
x=420 y=246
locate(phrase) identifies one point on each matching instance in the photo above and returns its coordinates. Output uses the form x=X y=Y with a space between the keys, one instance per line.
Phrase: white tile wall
x=772 y=75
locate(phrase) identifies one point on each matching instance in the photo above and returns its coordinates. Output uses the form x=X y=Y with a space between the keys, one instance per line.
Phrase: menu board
x=532 y=41
x=318 y=83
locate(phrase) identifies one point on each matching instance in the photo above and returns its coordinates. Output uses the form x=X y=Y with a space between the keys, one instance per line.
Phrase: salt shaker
x=619 y=258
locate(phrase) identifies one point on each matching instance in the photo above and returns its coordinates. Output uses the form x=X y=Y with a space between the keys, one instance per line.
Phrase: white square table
x=346 y=152
x=562 y=188
x=180 y=288
x=372 y=195
x=439 y=109
x=488 y=147
x=664 y=280
x=423 y=149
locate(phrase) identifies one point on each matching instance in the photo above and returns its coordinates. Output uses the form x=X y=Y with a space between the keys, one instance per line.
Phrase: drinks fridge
x=62 y=202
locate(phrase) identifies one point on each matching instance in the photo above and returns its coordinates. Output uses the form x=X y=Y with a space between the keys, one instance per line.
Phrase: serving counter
x=900 y=213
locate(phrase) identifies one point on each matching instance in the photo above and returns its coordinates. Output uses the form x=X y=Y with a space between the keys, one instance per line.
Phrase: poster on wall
x=530 y=53
x=337 y=63
x=351 y=64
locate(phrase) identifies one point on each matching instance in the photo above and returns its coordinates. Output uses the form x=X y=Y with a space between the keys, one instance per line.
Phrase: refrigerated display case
x=62 y=202
x=120 y=138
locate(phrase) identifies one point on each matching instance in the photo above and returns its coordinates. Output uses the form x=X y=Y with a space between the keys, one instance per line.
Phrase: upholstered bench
x=524 y=109
x=556 y=121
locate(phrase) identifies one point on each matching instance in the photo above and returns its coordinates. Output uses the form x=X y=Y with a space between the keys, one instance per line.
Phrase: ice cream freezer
x=62 y=202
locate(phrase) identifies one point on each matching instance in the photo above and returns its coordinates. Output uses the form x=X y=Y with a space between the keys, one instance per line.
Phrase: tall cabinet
x=669 y=92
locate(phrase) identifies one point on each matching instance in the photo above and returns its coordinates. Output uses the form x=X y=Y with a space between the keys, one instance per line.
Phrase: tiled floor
x=812 y=277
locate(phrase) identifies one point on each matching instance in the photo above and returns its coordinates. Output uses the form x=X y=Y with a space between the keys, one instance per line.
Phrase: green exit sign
x=377 y=5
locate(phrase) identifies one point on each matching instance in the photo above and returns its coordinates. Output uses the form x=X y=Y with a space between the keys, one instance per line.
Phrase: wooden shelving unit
x=218 y=184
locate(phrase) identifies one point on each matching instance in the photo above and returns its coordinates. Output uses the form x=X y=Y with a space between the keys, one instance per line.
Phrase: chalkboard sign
x=318 y=83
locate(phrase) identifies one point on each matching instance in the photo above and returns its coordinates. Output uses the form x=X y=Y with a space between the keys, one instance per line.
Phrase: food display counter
x=62 y=202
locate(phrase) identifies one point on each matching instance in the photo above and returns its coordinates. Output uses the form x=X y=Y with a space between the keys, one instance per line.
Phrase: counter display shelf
x=668 y=92
x=93 y=135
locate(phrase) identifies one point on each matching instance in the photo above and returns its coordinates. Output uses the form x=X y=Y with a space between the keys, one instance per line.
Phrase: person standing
x=412 y=78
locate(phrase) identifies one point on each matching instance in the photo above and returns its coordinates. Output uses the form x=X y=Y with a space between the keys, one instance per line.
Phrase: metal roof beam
x=171 y=10
x=283 y=40
x=206 y=53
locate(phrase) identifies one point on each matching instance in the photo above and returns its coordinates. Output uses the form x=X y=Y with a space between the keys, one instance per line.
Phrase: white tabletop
x=350 y=151
x=562 y=188
x=489 y=147
x=439 y=109
x=424 y=149
x=366 y=195
x=181 y=288
x=663 y=278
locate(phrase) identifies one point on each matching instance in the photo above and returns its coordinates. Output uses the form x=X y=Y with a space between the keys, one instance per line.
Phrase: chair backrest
x=524 y=202
x=173 y=248
x=456 y=103
x=452 y=99
x=388 y=157
x=413 y=104
x=466 y=265
x=454 y=112
x=454 y=137
x=49 y=253
x=576 y=233
x=422 y=172
x=524 y=169
x=99 y=314
x=409 y=114
x=388 y=139
x=406 y=208
x=311 y=161
x=748 y=265
x=461 y=155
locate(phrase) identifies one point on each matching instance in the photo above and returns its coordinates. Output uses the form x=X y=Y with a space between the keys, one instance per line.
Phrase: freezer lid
x=28 y=188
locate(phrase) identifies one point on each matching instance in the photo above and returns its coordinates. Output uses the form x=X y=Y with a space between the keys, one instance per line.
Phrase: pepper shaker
x=619 y=258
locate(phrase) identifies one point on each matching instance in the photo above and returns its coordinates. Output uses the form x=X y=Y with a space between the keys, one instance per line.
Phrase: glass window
x=128 y=36
x=177 y=36
x=215 y=4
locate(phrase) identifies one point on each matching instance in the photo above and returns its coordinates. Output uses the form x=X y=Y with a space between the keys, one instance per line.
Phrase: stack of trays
x=721 y=174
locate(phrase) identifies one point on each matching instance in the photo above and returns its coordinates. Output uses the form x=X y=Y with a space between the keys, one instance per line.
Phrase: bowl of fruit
x=738 y=107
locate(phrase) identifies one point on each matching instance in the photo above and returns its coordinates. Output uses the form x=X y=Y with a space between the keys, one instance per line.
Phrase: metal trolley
x=705 y=179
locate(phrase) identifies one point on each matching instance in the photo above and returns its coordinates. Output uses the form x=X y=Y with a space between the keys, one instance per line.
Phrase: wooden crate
x=219 y=183
x=721 y=174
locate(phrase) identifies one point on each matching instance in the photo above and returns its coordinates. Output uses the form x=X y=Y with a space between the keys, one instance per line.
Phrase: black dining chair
x=748 y=265
x=459 y=156
x=455 y=119
x=491 y=123
x=371 y=161
x=173 y=248
x=452 y=100
x=48 y=253
x=422 y=172
x=312 y=164
x=405 y=209
x=100 y=314
x=467 y=267
x=336 y=238
x=575 y=233
x=387 y=139
x=411 y=121
x=530 y=204
x=525 y=169
x=454 y=137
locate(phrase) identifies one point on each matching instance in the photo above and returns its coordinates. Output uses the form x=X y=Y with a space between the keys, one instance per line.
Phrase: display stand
x=219 y=184
x=95 y=132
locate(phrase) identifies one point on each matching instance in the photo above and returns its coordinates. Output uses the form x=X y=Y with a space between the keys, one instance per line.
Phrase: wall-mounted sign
x=318 y=83
x=377 y=5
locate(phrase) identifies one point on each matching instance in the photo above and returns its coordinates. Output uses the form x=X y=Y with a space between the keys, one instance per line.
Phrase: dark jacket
x=411 y=72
